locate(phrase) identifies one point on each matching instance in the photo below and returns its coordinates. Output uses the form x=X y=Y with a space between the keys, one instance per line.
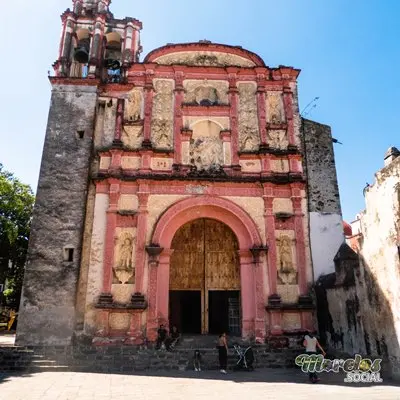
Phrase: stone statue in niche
x=278 y=139
x=287 y=274
x=133 y=106
x=275 y=108
x=206 y=153
x=161 y=133
x=124 y=266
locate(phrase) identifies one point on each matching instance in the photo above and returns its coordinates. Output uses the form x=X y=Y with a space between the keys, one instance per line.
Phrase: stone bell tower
x=95 y=49
x=96 y=45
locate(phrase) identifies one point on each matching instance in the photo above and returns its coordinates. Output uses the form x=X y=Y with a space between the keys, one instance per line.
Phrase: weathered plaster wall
x=326 y=229
x=255 y=208
x=47 y=314
x=365 y=314
x=156 y=205
x=96 y=262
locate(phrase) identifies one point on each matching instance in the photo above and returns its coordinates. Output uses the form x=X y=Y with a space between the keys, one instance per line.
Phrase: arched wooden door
x=205 y=279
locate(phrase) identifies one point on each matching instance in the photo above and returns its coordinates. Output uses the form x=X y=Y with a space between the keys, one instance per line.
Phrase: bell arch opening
x=205 y=281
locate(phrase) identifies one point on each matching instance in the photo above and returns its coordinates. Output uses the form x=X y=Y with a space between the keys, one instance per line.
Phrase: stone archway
x=251 y=275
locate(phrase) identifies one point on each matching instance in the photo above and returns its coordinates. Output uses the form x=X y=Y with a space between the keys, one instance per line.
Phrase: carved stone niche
x=287 y=273
x=124 y=266
x=133 y=106
x=206 y=147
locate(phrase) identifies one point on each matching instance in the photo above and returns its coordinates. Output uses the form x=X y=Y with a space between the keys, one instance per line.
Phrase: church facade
x=173 y=190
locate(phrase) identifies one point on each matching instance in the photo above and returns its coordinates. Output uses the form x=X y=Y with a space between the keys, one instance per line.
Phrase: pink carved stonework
x=237 y=188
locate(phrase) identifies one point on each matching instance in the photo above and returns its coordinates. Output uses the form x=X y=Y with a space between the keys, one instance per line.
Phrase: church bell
x=81 y=55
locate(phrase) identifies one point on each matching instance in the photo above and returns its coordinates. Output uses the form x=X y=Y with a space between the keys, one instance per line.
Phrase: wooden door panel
x=187 y=260
x=221 y=257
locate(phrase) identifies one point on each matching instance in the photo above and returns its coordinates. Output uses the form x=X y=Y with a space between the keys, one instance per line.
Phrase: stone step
x=130 y=359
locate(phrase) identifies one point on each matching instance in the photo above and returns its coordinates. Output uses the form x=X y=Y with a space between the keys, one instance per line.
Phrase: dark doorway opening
x=224 y=312
x=185 y=310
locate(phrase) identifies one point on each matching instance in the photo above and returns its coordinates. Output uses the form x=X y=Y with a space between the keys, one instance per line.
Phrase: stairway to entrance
x=128 y=359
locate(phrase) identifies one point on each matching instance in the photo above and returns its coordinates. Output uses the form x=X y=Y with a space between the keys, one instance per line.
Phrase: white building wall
x=326 y=233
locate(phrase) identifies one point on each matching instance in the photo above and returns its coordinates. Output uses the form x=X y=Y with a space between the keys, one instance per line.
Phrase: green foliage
x=16 y=207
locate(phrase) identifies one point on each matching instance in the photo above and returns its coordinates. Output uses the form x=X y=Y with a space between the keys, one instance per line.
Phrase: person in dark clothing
x=174 y=338
x=161 y=336
x=222 y=353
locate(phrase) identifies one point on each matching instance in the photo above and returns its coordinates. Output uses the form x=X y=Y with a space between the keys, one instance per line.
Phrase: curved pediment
x=204 y=54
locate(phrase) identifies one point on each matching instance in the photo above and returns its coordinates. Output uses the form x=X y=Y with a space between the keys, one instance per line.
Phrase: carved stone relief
x=206 y=148
x=124 y=266
x=204 y=58
x=201 y=92
x=291 y=321
x=120 y=321
x=132 y=136
x=278 y=139
x=288 y=293
x=249 y=138
x=134 y=105
x=162 y=119
x=276 y=114
x=287 y=273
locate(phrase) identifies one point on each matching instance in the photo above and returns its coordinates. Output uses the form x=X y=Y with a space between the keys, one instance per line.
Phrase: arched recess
x=220 y=209
x=248 y=237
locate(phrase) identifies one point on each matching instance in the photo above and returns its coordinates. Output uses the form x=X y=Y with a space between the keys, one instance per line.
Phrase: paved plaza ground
x=261 y=384
x=266 y=384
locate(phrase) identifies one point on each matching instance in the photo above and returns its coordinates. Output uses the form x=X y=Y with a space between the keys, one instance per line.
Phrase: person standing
x=222 y=353
x=311 y=343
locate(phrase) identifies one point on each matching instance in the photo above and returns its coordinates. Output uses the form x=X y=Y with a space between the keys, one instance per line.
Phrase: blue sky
x=348 y=51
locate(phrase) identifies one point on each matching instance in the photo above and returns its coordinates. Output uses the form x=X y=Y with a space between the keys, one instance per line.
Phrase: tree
x=16 y=207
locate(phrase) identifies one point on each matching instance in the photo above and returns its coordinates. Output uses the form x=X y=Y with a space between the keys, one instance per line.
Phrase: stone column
x=178 y=116
x=248 y=298
x=143 y=196
x=233 y=100
x=118 y=122
x=114 y=195
x=300 y=242
x=227 y=148
x=259 y=294
x=288 y=105
x=163 y=287
x=261 y=107
x=269 y=218
x=97 y=42
x=148 y=109
x=158 y=292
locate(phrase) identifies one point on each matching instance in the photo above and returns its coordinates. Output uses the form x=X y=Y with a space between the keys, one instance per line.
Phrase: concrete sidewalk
x=266 y=384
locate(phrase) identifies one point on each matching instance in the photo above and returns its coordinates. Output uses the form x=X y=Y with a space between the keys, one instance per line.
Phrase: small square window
x=69 y=254
x=80 y=134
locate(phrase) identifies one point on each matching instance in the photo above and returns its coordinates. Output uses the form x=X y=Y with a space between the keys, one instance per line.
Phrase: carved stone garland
x=249 y=138
x=162 y=119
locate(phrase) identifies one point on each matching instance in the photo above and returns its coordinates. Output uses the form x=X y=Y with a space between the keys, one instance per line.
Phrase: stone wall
x=326 y=229
x=47 y=314
x=359 y=306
